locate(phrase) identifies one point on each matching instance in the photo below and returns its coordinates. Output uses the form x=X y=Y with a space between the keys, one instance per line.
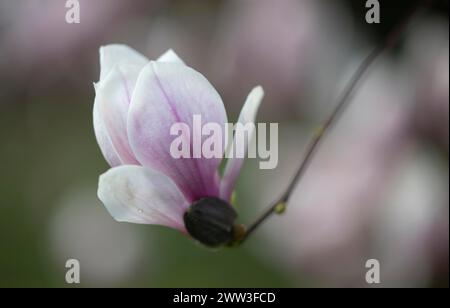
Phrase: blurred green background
x=377 y=189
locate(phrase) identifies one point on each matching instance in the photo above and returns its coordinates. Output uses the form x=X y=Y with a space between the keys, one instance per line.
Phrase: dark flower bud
x=211 y=220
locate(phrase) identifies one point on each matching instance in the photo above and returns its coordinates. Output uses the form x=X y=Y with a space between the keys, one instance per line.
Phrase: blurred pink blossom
x=325 y=230
x=427 y=61
x=280 y=44
x=38 y=37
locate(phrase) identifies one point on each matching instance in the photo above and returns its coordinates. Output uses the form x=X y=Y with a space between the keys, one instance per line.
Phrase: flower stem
x=387 y=43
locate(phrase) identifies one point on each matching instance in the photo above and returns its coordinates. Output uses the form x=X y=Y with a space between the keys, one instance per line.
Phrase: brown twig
x=391 y=39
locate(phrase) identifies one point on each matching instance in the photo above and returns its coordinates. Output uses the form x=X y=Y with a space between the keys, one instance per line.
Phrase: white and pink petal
x=103 y=140
x=234 y=164
x=119 y=69
x=165 y=94
x=113 y=97
x=141 y=195
x=117 y=54
x=171 y=57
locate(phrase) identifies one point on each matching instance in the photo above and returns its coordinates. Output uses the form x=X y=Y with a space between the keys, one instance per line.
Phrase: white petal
x=103 y=139
x=113 y=97
x=144 y=196
x=234 y=165
x=166 y=94
x=171 y=57
x=111 y=55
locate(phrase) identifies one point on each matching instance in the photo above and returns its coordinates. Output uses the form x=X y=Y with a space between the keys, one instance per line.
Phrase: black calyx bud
x=211 y=221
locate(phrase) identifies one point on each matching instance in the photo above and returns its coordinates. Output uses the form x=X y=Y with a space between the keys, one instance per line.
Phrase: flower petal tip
x=257 y=92
x=251 y=105
x=113 y=54
x=170 y=56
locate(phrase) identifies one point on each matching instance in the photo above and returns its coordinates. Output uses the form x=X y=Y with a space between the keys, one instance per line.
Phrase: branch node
x=280 y=208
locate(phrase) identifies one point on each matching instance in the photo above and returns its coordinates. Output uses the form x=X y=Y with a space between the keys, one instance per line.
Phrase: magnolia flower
x=136 y=103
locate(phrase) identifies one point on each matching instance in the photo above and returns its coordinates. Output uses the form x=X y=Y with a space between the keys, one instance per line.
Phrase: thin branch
x=391 y=39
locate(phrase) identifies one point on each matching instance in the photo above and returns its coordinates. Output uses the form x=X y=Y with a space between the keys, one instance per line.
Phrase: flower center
x=211 y=221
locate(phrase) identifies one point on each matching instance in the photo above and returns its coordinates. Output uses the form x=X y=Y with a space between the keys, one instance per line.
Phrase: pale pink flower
x=136 y=103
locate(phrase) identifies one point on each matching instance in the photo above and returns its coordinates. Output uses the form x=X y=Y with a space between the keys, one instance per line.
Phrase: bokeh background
x=377 y=188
